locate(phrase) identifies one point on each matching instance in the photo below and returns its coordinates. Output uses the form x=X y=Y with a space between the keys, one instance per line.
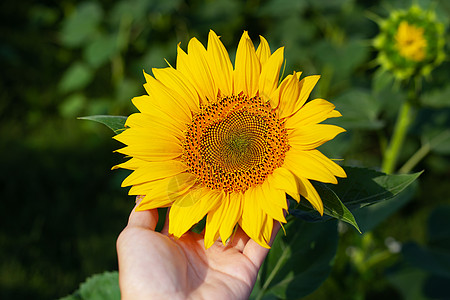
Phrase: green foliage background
x=62 y=209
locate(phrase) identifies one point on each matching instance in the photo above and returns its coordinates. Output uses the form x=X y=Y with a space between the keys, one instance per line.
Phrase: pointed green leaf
x=115 y=123
x=361 y=188
x=332 y=208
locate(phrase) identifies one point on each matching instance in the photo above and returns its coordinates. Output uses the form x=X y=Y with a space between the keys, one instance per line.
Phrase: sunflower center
x=235 y=143
x=410 y=41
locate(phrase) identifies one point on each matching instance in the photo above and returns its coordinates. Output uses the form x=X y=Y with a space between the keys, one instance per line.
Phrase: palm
x=153 y=265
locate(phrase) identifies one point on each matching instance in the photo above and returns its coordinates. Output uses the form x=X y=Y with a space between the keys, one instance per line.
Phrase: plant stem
x=415 y=159
x=423 y=151
x=401 y=128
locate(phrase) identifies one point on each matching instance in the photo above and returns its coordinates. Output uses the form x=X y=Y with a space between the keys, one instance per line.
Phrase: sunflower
x=225 y=143
x=410 y=41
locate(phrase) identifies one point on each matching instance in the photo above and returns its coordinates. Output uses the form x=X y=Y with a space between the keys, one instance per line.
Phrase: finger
x=165 y=229
x=145 y=219
x=257 y=253
x=239 y=240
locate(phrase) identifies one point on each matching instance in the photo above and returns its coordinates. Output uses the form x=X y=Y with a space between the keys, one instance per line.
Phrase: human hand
x=153 y=265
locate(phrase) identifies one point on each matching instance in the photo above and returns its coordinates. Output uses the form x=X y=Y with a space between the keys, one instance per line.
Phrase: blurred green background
x=61 y=206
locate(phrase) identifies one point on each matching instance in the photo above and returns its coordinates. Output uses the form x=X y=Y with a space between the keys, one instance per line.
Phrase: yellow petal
x=145 y=105
x=289 y=91
x=284 y=180
x=308 y=191
x=151 y=203
x=267 y=230
x=149 y=145
x=182 y=62
x=214 y=220
x=309 y=137
x=306 y=86
x=163 y=192
x=140 y=120
x=270 y=72
x=247 y=68
x=263 y=51
x=194 y=66
x=328 y=163
x=253 y=219
x=172 y=187
x=154 y=171
x=176 y=81
x=305 y=164
x=313 y=112
x=144 y=136
x=131 y=164
x=233 y=214
x=167 y=99
x=273 y=201
x=221 y=67
x=182 y=218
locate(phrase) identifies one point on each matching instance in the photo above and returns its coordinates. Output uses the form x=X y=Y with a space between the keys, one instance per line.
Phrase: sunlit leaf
x=361 y=188
x=115 y=123
x=332 y=207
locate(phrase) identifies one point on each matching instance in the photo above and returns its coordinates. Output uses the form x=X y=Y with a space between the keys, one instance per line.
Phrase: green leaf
x=81 y=24
x=101 y=50
x=115 y=123
x=361 y=188
x=364 y=187
x=74 y=296
x=332 y=206
x=98 y=287
x=298 y=262
x=76 y=77
x=101 y=286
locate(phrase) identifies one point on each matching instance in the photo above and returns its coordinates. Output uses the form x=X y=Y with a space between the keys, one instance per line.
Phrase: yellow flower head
x=226 y=143
x=410 y=41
